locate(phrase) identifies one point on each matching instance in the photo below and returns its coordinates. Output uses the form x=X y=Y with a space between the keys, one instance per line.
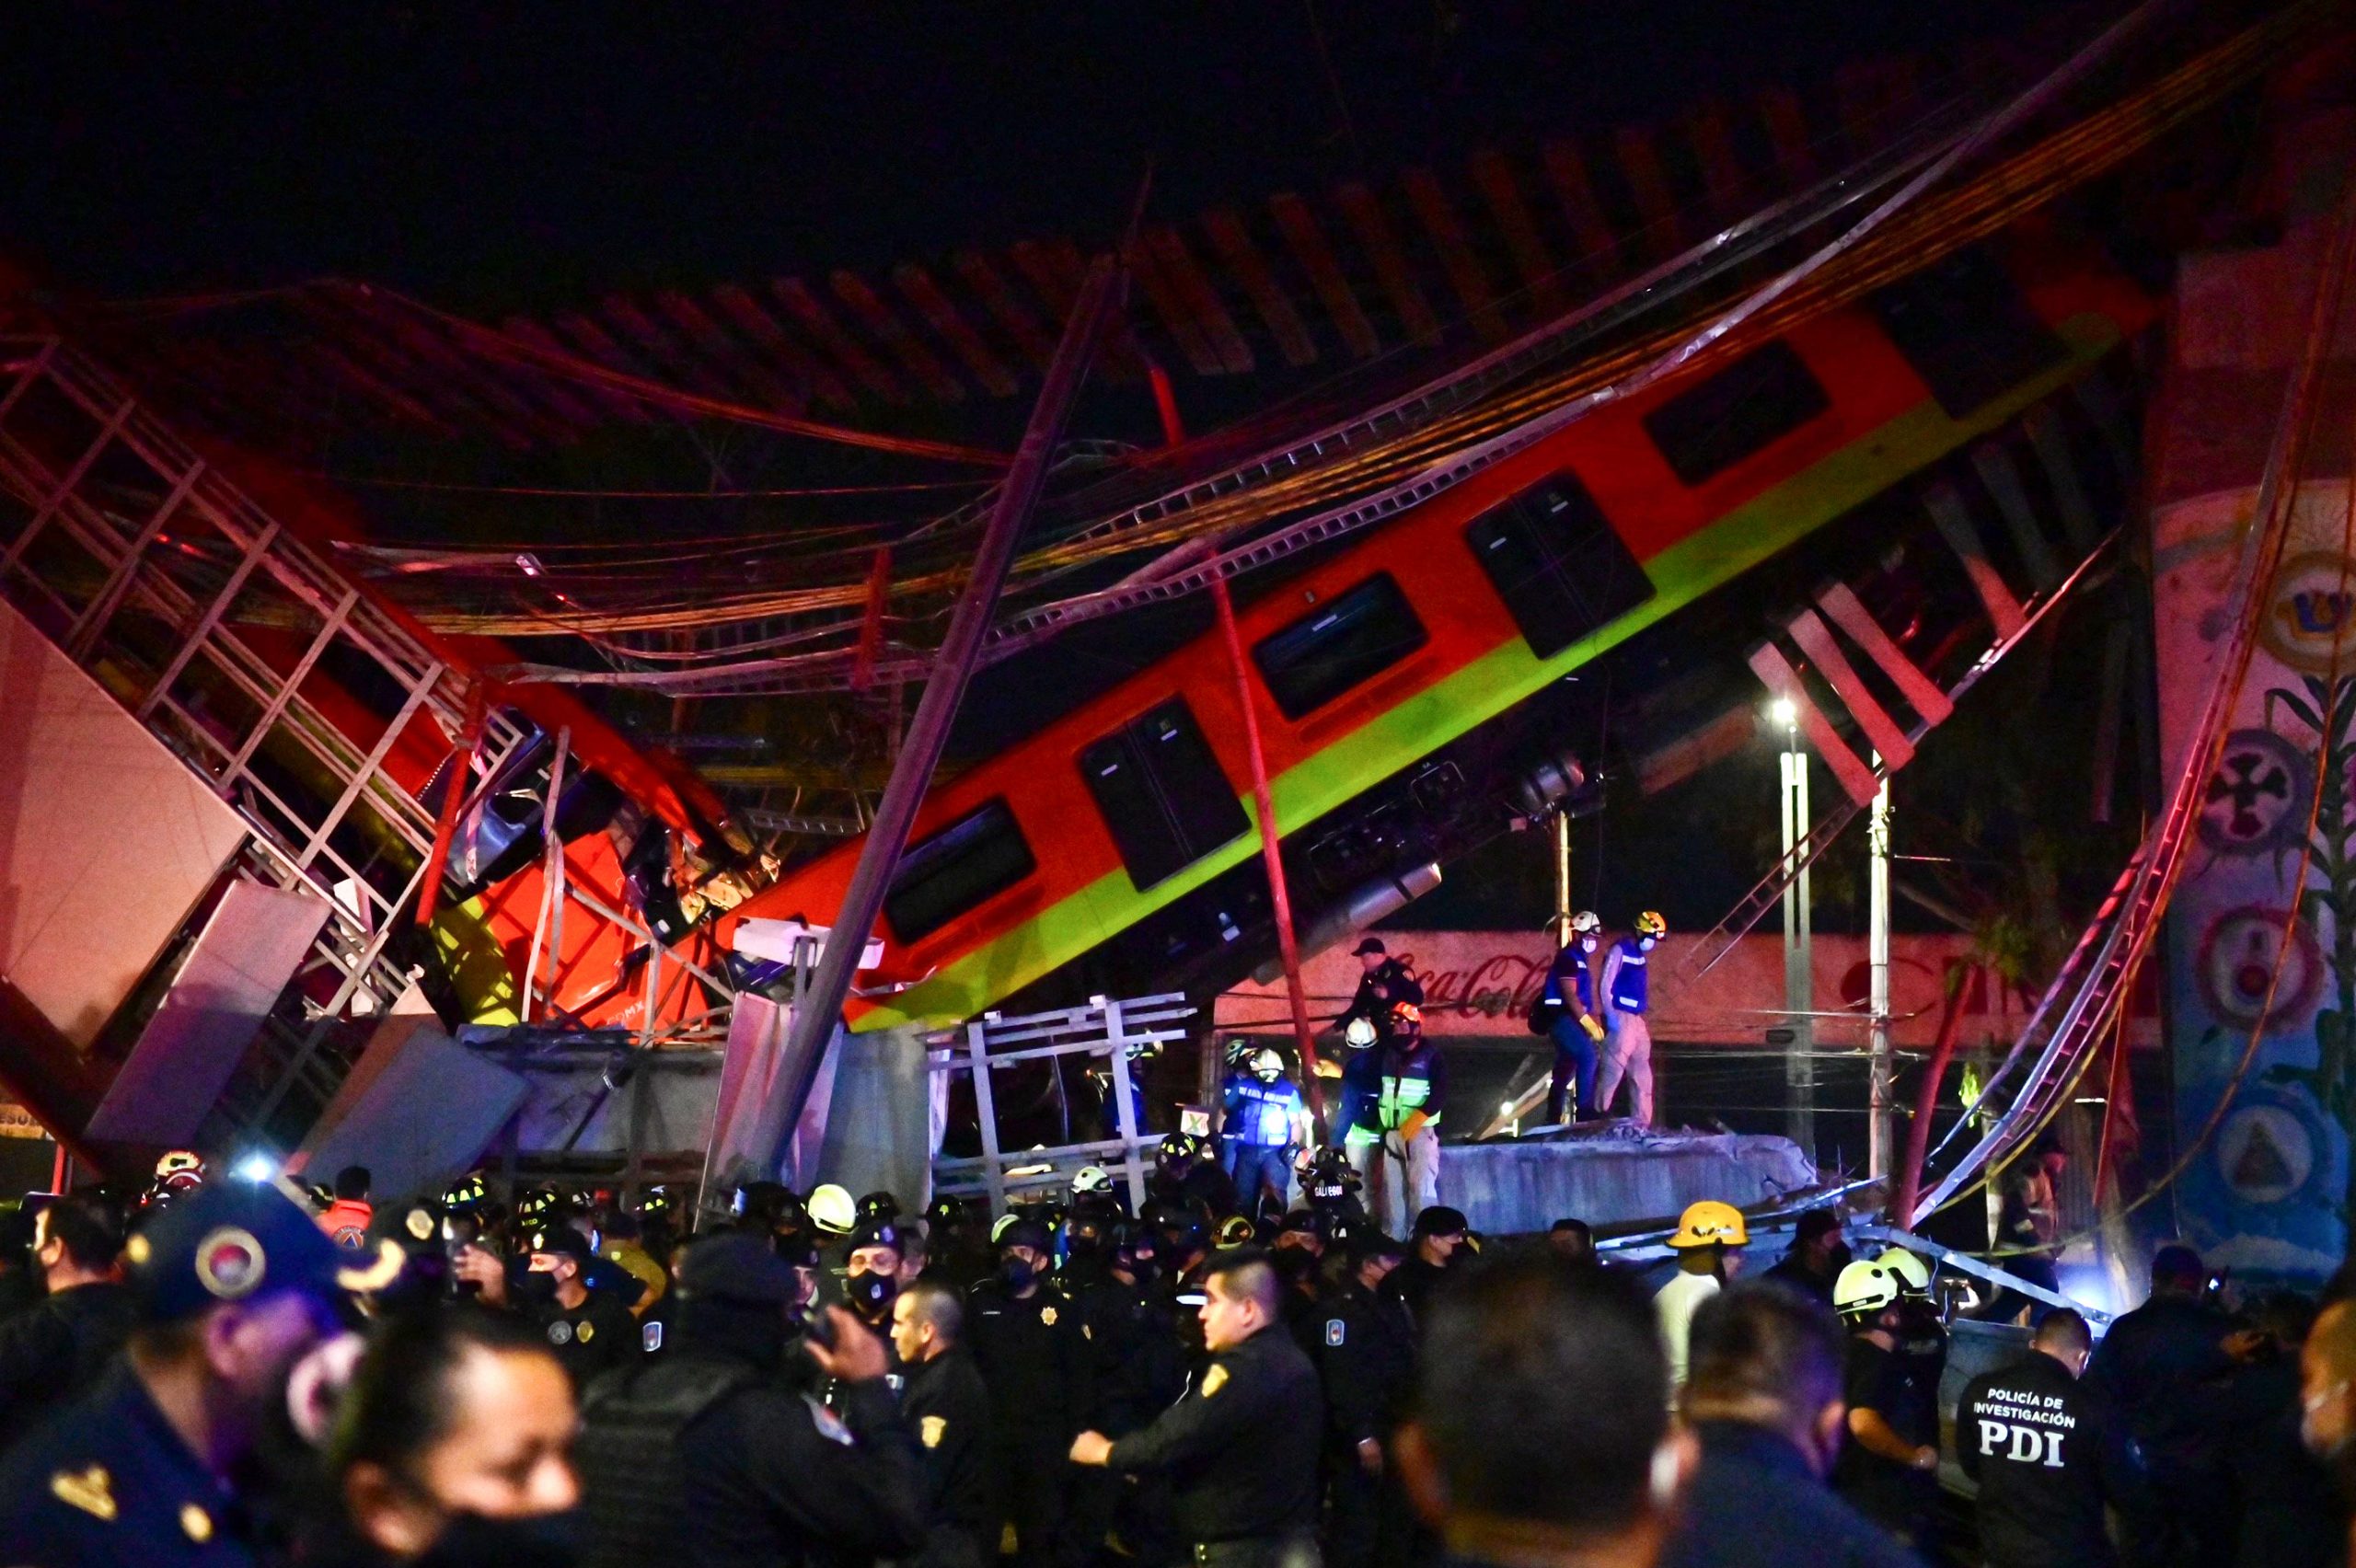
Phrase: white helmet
x=1359 y=1034
x=832 y=1209
x=1266 y=1065
x=1585 y=923
x=1092 y=1178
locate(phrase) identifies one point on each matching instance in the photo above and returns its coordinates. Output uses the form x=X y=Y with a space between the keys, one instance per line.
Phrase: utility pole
x=1562 y=873
x=1800 y=988
x=1877 y=1135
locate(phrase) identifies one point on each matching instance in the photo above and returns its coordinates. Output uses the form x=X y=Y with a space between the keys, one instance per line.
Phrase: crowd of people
x=1236 y=1374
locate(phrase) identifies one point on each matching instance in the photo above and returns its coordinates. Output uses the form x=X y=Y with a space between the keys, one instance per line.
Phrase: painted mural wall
x=2261 y=958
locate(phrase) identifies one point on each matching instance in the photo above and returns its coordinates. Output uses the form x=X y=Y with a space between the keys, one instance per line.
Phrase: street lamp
x=1799 y=990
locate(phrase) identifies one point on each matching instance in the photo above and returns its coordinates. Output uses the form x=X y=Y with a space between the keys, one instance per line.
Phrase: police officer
x=1434 y=1247
x=1184 y=1173
x=1576 y=1023
x=1135 y=1370
x=1627 y=1037
x=944 y=1401
x=1818 y=1253
x=1026 y=1339
x=2155 y=1367
x=2046 y=1454
x=719 y=1451
x=1242 y=1461
x=1263 y=1120
x=872 y=1272
x=56 y=1349
x=590 y=1330
x=233 y=1284
x=1365 y=1356
x=1383 y=981
x=1889 y=1468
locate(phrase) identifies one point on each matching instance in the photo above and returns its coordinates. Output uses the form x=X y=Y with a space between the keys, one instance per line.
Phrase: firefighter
x=1889 y=1467
x=1627 y=1037
x=347 y=1217
x=1569 y=998
x=1708 y=1243
x=1397 y=1137
x=1263 y=1121
x=2046 y=1454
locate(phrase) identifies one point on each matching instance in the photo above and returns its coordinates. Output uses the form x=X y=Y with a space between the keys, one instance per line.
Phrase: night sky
x=497 y=157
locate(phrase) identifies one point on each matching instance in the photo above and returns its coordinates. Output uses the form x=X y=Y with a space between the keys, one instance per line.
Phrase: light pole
x=1877 y=1135
x=1799 y=990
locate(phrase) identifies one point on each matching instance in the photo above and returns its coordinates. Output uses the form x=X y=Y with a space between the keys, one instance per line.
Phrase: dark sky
x=498 y=155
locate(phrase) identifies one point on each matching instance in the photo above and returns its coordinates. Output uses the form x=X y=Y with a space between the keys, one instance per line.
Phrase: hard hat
x=1650 y=924
x=1864 y=1288
x=1406 y=1016
x=654 y=1203
x=537 y=1205
x=467 y=1194
x=1092 y=1178
x=831 y=1209
x=1266 y=1065
x=180 y=1162
x=1583 y=922
x=1711 y=1224
x=1238 y=1050
x=1359 y=1034
x=1180 y=1146
x=1913 y=1274
x=1236 y=1231
x=878 y=1207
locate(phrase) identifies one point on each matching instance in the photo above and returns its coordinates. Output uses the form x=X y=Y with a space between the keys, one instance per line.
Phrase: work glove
x=1593 y=1025
x=1414 y=1124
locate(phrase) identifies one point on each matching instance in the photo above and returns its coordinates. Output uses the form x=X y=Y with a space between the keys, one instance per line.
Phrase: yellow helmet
x=832 y=1209
x=1865 y=1290
x=1650 y=924
x=1711 y=1224
x=1913 y=1274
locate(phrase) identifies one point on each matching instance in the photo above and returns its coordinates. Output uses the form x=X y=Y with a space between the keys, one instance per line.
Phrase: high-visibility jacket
x=1414 y=1076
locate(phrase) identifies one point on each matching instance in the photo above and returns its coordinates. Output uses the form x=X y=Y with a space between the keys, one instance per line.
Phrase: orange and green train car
x=1414 y=632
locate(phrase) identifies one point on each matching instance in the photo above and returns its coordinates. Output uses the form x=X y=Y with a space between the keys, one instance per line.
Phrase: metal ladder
x=153 y=571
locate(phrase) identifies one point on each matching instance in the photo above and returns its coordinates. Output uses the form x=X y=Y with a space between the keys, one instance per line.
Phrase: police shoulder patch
x=932 y=1428
x=1335 y=1330
x=1214 y=1380
x=92 y=1491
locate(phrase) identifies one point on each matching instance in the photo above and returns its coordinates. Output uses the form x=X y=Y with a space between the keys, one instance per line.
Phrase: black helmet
x=878 y=1207
x=1179 y=1147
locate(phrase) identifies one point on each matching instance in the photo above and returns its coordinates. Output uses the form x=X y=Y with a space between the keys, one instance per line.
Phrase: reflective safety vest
x=1260 y=1113
x=1630 y=988
x=1408 y=1084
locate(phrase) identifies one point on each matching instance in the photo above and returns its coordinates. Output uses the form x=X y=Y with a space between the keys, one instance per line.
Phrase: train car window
x=1967 y=330
x=1557 y=562
x=1161 y=793
x=1346 y=640
x=972 y=859
x=1760 y=397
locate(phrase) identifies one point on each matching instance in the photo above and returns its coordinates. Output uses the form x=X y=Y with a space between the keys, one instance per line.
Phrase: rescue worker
x=2047 y=1455
x=1627 y=1036
x=1185 y=1174
x=1889 y=1468
x=1410 y=1094
x=715 y=1453
x=1263 y=1121
x=346 y=1220
x=2028 y=1232
x=831 y=1212
x=1762 y=1400
x=621 y=1242
x=1921 y=1332
x=1708 y=1243
x=1365 y=1350
x=57 y=1349
x=1818 y=1253
x=1569 y=998
x=944 y=1399
x=233 y=1284
x=1242 y=1459
x=178 y=1174
x=1383 y=982
x=1434 y=1247
x=1540 y=1432
x=1573 y=1241
x=1026 y=1339
x=2153 y=1366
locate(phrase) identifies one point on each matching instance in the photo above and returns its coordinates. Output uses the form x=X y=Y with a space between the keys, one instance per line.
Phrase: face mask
x=1587 y=944
x=870 y=1293
x=538 y=1540
x=1017 y=1272
x=1645 y=944
x=1146 y=1268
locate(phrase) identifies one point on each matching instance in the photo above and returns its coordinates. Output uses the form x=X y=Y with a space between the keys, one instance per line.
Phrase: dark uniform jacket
x=1366 y=1355
x=594 y=1337
x=2046 y=1456
x=773 y=1477
x=1753 y=1504
x=948 y=1409
x=1887 y=1383
x=1033 y=1359
x=1390 y=982
x=1239 y=1446
x=2161 y=1366
x=109 y=1482
x=56 y=1350
x=1792 y=1271
x=1135 y=1365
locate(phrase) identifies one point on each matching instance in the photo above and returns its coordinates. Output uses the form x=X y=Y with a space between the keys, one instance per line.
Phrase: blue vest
x=1258 y=1112
x=1629 y=990
x=1570 y=980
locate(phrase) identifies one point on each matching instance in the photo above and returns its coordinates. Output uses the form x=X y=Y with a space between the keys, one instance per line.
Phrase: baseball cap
x=737 y=1267
x=1441 y=1220
x=233 y=1241
x=1371 y=944
x=876 y=1233
x=562 y=1241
